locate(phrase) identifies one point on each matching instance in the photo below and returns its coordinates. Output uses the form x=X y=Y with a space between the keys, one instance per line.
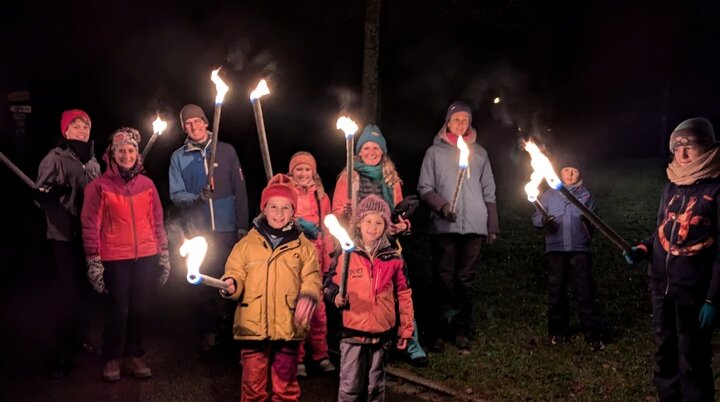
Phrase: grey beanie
x=695 y=131
x=189 y=111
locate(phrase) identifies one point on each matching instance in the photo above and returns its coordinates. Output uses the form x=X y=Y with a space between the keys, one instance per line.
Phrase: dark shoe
x=438 y=346
x=111 y=371
x=421 y=361
x=137 y=368
x=597 y=346
x=208 y=343
x=462 y=342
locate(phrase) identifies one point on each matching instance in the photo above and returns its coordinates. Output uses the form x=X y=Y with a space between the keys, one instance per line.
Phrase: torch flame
x=541 y=164
x=347 y=125
x=159 y=125
x=220 y=86
x=496 y=100
x=195 y=250
x=331 y=222
x=531 y=189
x=260 y=90
x=464 y=153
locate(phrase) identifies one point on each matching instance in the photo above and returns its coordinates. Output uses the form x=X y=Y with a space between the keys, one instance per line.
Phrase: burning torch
x=17 y=171
x=159 y=126
x=221 y=89
x=348 y=126
x=261 y=90
x=462 y=168
x=531 y=189
x=331 y=222
x=194 y=249
x=541 y=163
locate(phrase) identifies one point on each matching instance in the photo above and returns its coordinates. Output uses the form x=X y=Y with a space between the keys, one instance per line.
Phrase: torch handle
x=344 y=277
x=149 y=145
x=212 y=282
x=17 y=171
x=349 y=155
x=458 y=187
x=213 y=146
x=262 y=136
x=595 y=220
x=542 y=209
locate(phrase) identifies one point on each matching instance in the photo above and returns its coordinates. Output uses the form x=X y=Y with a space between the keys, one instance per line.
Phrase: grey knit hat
x=695 y=131
x=372 y=204
x=189 y=111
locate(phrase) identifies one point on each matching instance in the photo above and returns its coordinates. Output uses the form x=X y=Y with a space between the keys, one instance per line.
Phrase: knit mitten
x=95 y=274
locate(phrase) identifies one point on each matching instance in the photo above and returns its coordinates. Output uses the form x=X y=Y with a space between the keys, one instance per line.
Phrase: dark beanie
x=695 y=131
x=569 y=160
x=189 y=111
x=456 y=107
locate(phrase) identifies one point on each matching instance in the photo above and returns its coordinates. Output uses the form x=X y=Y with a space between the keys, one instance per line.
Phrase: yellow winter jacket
x=269 y=283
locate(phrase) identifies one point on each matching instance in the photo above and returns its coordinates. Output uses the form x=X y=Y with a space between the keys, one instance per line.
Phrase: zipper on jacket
x=132 y=218
x=667 y=254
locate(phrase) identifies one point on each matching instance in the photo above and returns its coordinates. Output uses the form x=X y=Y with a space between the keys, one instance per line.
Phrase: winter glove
x=405 y=208
x=164 y=265
x=707 y=314
x=304 y=309
x=206 y=194
x=310 y=229
x=46 y=193
x=635 y=255
x=448 y=215
x=95 y=274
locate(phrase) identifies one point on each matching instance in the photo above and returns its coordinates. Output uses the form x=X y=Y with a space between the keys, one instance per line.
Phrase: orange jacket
x=375 y=287
x=313 y=209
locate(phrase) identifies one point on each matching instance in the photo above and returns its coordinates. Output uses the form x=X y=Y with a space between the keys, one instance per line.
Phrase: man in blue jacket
x=567 y=258
x=221 y=215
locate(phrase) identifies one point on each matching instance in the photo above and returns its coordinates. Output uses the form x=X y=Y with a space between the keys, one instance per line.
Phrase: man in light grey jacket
x=457 y=236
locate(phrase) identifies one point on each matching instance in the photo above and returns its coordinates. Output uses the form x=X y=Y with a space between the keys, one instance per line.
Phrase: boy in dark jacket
x=684 y=271
x=567 y=257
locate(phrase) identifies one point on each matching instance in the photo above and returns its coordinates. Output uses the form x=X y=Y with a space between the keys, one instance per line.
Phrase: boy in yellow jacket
x=273 y=274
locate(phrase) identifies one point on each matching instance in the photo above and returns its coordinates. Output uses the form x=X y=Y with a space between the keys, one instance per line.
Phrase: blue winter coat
x=569 y=231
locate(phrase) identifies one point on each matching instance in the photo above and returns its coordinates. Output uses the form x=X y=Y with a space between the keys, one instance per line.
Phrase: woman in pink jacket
x=126 y=248
x=313 y=204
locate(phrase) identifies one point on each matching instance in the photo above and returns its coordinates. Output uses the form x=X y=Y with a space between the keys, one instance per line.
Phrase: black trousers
x=683 y=369
x=214 y=312
x=455 y=258
x=130 y=285
x=576 y=268
x=71 y=297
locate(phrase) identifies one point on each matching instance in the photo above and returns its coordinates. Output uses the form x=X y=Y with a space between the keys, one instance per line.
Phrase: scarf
x=276 y=237
x=128 y=174
x=705 y=166
x=375 y=174
x=83 y=150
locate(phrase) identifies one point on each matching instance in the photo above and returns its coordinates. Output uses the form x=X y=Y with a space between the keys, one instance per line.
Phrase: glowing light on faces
x=372 y=226
x=332 y=224
x=278 y=211
x=125 y=155
x=569 y=175
x=370 y=153
x=78 y=130
x=687 y=154
x=196 y=129
x=194 y=249
x=540 y=163
x=459 y=123
x=302 y=174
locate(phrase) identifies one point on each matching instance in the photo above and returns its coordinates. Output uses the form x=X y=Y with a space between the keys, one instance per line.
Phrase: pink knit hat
x=372 y=204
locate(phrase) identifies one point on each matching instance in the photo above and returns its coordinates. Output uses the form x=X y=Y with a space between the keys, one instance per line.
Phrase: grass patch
x=511 y=358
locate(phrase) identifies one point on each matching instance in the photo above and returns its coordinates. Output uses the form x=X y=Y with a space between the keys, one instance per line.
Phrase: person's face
x=126 y=155
x=370 y=153
x=459 y=123
x=196 y=129
x=302 y=174
x=78 y=130
x=569 y=176
x=372 y=226
x=278 y=211
x=686 y=154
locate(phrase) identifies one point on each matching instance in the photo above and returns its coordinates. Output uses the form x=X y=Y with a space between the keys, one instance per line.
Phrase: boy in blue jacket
x=567 y=257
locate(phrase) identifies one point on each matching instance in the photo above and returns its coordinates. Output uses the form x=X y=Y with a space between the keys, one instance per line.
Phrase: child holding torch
x=273 y=274
x=567 y=258
x=377 y=292
x=312 y=206
x=684 y=273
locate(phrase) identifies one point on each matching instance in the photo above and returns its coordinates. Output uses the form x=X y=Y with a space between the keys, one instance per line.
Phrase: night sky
x=580 y=76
